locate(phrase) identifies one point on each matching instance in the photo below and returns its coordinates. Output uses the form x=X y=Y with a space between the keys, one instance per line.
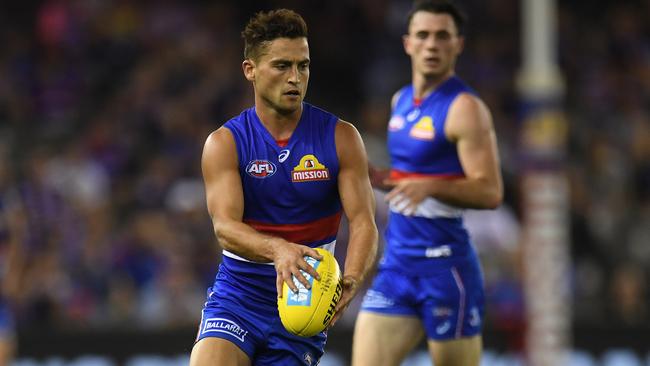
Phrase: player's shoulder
x=234 y=126
x=218 y=141
x=219 y=150
x=349 y=144
x=220 y=135
x=467 y=100
x=345 y=129
x=465 y=95
x=398 y=95
x=468 y=113
x=224 y=136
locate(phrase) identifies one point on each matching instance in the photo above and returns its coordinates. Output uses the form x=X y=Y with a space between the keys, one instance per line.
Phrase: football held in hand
x=309 y=311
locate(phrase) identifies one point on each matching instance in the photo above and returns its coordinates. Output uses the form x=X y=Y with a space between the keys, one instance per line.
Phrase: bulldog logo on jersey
x=260 y=168
x=423 y=129
x=309 y=169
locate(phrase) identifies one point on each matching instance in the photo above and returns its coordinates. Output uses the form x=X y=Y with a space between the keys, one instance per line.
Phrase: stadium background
x=105 y=105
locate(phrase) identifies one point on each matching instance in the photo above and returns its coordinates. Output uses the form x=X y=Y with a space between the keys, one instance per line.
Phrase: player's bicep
x=353 y=182
x=470 y=125
x=223 y=187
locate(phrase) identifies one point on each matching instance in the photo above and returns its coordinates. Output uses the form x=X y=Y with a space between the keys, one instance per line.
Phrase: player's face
x=433 y=44
x=281 y=74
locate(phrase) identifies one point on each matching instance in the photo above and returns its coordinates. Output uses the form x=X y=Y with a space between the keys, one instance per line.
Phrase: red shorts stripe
x=301 y=233
x=399 y=174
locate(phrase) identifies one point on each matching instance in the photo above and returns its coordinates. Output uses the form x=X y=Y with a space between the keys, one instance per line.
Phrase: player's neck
x=423 y=85
x=280 y=125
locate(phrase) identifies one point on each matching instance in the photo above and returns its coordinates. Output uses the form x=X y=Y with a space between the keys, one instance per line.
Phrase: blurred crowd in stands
x=105 y=105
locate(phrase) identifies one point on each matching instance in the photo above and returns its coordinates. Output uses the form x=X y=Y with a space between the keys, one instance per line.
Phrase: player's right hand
x=408 y=193
x=350 y=288
x=289 y=261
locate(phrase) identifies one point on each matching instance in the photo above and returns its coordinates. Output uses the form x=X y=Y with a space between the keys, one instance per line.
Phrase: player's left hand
x=289 y=263
x=350 y=288
x=408 y=193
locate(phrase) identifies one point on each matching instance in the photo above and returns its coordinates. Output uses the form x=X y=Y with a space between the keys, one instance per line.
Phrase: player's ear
x=248 y=66
x=405 y=43
x=461 y=44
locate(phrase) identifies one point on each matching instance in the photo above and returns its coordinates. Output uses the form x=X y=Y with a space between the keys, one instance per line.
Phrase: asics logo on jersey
x=284 y=154
x=309 y=169
x=413 y=115
x=260 y=168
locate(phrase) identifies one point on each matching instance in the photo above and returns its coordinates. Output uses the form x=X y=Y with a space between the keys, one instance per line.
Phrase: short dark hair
x=264 y=27
x=440 y=7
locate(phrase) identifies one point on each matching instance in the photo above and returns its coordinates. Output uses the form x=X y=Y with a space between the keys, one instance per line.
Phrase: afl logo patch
x=260 y=168
x=396 y=123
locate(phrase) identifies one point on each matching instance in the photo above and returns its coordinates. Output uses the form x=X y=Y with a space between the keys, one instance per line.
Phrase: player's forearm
x=468 y=193
x=362 y=249
x=245 y=241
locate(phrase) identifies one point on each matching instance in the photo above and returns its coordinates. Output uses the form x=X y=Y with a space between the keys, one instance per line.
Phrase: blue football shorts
x=245 y=312
x=450 y=302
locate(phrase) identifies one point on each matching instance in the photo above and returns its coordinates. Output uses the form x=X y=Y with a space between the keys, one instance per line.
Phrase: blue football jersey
x=290 y=191
x=418 y=147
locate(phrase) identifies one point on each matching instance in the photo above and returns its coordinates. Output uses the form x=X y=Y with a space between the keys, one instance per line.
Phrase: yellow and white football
x=310 y=311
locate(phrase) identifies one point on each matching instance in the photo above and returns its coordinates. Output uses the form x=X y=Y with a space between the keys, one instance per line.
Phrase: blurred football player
x=444 y=159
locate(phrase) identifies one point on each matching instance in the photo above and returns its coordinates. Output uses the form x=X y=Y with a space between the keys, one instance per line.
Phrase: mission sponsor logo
x=260 y=168
x=222 y=325
x=309 y=169
x=423 y=129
